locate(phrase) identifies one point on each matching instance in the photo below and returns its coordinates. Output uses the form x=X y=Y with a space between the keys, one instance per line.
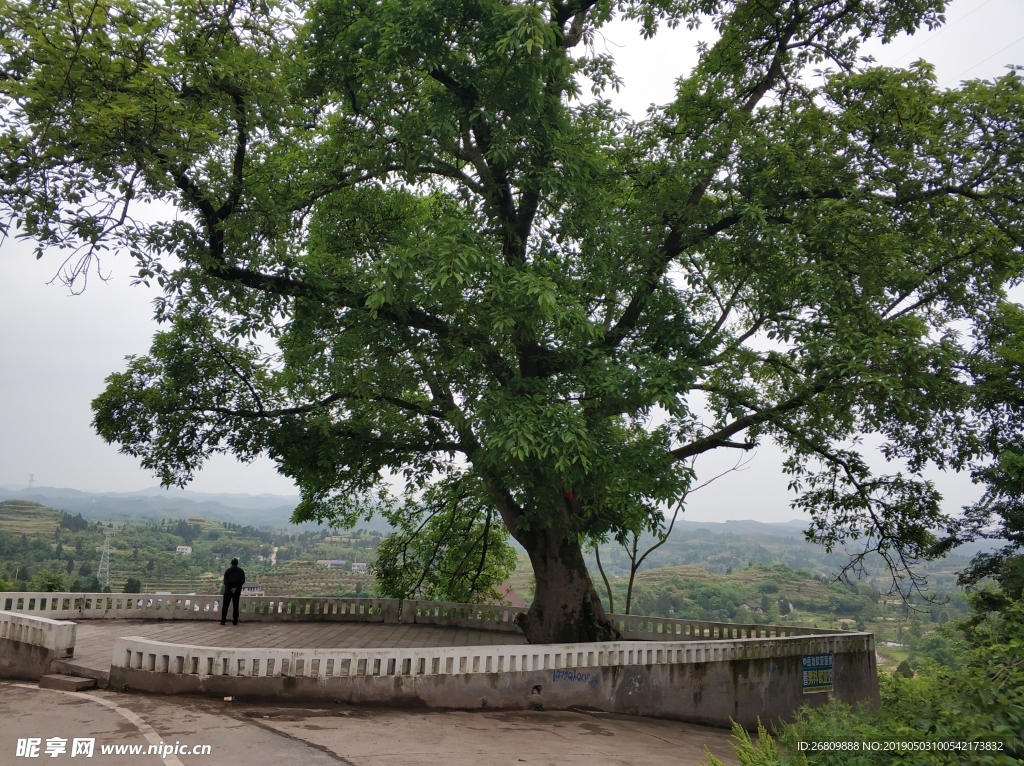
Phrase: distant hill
x=734 y=542
x=254 y=510
x=792 y=528
x=155 y=503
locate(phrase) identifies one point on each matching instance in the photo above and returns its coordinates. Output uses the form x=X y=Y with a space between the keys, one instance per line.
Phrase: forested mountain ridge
x=48 y=549
x=703 y=571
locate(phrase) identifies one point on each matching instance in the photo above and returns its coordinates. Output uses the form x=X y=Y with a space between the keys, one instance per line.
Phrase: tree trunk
x=566 y=607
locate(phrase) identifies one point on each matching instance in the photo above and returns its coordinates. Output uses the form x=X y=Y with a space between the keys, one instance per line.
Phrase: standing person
x=234 y=579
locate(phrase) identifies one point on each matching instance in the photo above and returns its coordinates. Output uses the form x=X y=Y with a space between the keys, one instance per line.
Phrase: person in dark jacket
x=234 y=579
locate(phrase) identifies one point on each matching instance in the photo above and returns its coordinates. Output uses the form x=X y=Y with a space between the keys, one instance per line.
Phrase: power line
x=944 y=29
x=957 y=77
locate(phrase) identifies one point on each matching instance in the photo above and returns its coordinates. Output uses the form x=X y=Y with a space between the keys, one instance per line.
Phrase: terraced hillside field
x=752 y=579
x=24 y=517
x=207 y=583
x=305 y=578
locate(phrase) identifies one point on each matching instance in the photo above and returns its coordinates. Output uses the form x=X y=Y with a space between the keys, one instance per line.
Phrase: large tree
x=413 y=236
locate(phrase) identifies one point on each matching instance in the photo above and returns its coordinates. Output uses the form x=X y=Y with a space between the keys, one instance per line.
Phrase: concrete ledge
x=711 y=694
x=701 y=682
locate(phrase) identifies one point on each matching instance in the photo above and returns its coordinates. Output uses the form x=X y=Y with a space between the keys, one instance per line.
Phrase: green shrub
x=764 y=752
x=982 y=700
x=48 y=581
x=943 y=646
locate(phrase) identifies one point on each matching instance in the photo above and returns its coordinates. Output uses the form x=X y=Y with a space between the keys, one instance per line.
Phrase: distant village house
x=184 y=549
x=253 y=589
x=752 y=606
x=358 y=567
x=332 y=563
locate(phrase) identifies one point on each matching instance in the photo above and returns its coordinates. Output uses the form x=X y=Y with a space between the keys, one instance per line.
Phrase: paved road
x=95 y=638
x=253 y=735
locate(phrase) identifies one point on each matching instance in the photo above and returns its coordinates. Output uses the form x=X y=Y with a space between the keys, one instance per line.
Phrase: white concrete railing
x=138 y=653
x=639 y=628
x=56 y=635
x=631 y=627
x=132 y=606
x=474 y=616
x=292 y=608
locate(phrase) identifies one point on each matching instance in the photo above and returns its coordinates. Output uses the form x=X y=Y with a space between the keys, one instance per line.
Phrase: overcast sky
x=56 y=349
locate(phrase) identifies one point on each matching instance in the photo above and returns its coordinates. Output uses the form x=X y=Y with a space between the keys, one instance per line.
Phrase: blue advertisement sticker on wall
x=817 y=673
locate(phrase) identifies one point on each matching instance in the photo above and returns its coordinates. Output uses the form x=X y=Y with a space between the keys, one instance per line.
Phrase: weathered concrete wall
x=55 y=635
x=708 y=682
x=28 y=645
x=26 y=662
x=712 y=693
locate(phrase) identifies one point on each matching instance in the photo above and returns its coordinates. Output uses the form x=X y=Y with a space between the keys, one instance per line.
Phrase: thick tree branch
x=720 y=438
x=675 y=243
x=577 y=13
x=238 y=161
x=262 y=412
x=673 y=246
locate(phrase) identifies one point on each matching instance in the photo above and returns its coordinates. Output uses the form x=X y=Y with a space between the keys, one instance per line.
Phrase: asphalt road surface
x=243 y=734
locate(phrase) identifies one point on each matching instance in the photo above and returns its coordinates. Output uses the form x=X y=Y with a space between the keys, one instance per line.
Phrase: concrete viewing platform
x=376 y=652
x=96 y=637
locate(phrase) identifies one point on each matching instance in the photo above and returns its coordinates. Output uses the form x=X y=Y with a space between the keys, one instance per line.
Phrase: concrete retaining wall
x=699 y=681
x=130 y=606
x=24 y=661
x=29 y=645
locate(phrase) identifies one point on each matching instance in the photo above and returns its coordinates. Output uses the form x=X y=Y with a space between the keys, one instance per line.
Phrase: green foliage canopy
x=404 y=240
x=998 y=369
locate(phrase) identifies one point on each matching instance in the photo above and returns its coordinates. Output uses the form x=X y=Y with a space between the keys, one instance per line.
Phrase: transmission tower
x=31 y=481
x=104 y=569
